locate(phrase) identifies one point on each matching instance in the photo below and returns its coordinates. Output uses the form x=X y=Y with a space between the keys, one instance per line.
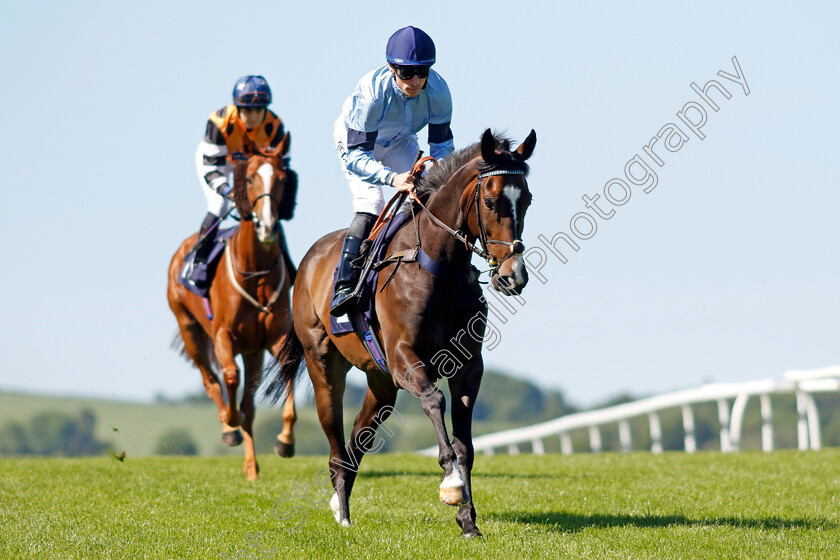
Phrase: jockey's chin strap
x=516 y=246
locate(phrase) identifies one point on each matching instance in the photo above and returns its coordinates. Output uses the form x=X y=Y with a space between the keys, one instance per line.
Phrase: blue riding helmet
x=251 y=91
x=410 y=46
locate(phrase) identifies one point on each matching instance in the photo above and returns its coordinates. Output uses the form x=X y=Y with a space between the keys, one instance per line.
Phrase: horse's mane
x=240 y=191
x=441 y=172
x=287 y=205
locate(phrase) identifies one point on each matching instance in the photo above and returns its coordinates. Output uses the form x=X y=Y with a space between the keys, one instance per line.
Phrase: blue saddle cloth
x=185 y=278
x=341 y=325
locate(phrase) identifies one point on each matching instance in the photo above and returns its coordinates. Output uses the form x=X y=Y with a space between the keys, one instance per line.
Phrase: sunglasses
x=252 y=98
x=408 y=72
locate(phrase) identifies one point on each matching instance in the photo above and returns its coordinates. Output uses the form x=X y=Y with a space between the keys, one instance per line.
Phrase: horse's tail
x=178 y=345
x=284 y=368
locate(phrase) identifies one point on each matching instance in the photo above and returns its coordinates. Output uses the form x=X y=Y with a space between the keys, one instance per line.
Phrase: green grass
x=629 y=506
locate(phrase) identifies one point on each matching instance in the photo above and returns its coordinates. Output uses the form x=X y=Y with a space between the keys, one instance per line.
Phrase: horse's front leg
x=410 y=372
x=253 y=375
x=229 y=416
x=464 y=390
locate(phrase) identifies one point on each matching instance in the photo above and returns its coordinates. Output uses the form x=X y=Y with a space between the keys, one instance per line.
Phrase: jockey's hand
x=225 y=190
x=403 y=182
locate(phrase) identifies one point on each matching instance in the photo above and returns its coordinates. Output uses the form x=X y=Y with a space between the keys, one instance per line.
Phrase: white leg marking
x=454 y=480
x=337 y=512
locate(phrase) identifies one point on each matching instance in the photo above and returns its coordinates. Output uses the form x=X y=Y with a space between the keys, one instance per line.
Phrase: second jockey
x=222 y=146
x=376 y=139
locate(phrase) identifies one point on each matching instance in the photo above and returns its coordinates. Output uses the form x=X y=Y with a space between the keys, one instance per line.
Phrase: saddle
x=213 y=259
x=374 y=259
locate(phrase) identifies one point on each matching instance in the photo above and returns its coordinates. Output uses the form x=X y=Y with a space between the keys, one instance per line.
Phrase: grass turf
x=635 y=506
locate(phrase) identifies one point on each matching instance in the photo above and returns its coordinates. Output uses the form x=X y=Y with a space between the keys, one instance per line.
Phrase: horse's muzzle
x=514 y=280
x=267 y=231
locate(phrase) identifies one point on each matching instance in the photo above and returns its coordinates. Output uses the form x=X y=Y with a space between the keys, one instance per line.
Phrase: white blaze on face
x=513 y=193
x=266 y=173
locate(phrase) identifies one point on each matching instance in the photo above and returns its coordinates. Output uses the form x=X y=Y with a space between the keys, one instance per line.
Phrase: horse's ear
x=527 y=147
x=488 y=146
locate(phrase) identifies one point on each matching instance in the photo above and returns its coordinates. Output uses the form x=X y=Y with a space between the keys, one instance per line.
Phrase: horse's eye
x=247 y=180
x=488 y=202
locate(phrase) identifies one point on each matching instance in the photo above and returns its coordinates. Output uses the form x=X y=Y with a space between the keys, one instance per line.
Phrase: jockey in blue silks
x=376 y=138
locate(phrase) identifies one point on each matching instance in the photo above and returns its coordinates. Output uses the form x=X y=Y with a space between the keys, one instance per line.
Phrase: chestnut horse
x=249 y=298
x=477 y=193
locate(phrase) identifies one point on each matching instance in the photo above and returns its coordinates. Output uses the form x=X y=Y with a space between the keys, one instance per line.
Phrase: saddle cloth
x=185 y=277
x=365 y=305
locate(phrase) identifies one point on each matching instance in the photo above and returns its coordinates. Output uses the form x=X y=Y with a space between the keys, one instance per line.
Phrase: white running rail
x=800 y=383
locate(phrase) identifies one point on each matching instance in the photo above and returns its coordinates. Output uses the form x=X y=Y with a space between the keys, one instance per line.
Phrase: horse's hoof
x=472 y=534
x=284 y=449
x=454 y=495
x=453 y=491
x=232 y=438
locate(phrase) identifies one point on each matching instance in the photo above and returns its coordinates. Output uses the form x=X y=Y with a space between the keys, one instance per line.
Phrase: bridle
x=256 y=219
x=516 y=246
x=276 y=229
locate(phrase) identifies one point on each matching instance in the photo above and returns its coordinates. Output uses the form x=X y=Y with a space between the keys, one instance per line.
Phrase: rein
x=516 y=246
x=277 y=291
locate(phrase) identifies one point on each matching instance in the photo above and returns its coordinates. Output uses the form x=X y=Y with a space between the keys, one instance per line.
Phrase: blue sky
x=728 y=270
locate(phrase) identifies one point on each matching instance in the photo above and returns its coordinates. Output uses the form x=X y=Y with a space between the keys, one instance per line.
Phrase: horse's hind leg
x=198 y=347
x=285 y=445
x=327 y=370
x=253 y=368
x=464 y=389
x=378 y=405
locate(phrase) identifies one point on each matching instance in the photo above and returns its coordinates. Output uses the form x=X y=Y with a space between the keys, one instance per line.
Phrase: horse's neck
x=252 y=255
x=445 y=204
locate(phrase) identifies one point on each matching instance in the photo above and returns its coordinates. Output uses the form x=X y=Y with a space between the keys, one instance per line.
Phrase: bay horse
x=249 y=300
x=477 y=193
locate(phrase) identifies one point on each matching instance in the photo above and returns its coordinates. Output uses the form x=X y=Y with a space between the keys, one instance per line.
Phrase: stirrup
x=343 y=301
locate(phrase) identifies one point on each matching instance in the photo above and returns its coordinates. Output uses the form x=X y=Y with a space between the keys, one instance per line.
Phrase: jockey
x=376 y=138
x=222 y=146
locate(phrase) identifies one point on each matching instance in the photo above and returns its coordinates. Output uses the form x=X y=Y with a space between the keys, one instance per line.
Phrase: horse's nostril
x=518 y=247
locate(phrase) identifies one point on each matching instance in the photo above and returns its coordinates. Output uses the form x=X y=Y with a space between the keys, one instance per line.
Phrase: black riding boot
x=200 y=275
x=206 y=238
x=348 y=275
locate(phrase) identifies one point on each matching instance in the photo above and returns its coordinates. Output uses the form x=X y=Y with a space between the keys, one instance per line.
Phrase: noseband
x=256 y=219
x=516 y=246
